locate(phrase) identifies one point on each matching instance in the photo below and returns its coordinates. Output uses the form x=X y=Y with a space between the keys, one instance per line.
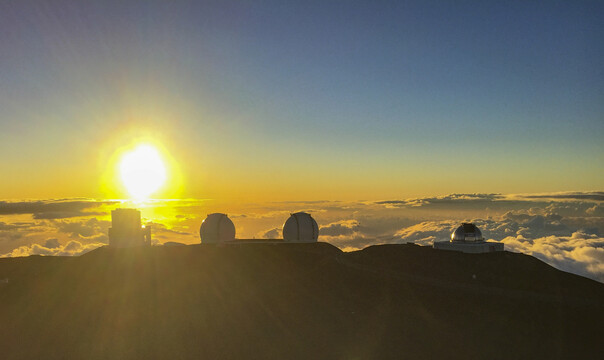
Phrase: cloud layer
x=52 y=247
x=52 y=209
x=563 y=229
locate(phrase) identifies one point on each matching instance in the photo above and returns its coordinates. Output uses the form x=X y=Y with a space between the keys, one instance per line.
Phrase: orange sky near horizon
x=91 y=170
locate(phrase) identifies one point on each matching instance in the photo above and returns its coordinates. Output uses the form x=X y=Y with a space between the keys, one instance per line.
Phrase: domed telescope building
x=468 y=238
x=217 y=228
x=300 y=227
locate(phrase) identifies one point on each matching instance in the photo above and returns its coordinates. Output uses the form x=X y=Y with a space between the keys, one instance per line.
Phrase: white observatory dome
x=216 y=228
x=467 y=232
x=300 y=227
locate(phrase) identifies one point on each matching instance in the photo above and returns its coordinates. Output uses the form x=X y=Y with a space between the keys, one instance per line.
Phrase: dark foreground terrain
x=302 y=301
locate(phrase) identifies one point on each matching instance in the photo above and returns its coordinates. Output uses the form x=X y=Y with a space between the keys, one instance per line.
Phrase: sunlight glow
x=142 y=171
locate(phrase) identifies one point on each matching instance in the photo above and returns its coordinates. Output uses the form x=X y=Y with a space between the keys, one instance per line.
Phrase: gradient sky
x=280 y=100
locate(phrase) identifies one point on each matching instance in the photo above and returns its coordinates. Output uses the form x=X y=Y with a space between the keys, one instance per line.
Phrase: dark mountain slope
x=303 y=301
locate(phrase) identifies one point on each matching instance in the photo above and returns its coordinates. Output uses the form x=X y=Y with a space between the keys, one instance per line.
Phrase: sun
x=142 y=171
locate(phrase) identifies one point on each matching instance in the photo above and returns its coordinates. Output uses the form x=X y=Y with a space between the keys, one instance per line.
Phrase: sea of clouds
x=565 y=230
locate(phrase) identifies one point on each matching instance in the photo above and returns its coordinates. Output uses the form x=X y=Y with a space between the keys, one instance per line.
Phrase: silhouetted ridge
x=295 y=301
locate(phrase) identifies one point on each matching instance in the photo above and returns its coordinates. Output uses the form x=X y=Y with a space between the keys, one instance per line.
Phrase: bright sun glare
x=142 y=171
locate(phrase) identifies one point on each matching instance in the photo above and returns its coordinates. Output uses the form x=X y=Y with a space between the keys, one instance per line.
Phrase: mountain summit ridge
x=295 y=301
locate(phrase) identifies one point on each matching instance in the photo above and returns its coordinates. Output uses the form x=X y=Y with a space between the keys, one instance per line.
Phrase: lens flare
x=142 y=171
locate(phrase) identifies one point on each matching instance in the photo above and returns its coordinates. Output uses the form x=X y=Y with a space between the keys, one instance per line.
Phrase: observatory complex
x=468 y=238
x=219 y=229
x=126 y=229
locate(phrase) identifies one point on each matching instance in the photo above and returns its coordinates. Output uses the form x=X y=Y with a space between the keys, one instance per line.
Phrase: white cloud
x=83 y=228
x=71 y=248
x=579 y=253
x=427 y=232
x=338 y=228
x=274 y=233
x=52 y=243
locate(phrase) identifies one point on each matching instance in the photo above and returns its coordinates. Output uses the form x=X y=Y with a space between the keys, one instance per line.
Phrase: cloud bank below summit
x=563 y=229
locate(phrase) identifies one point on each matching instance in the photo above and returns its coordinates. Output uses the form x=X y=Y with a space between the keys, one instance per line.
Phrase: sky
x=390 y=122
x=325 y=100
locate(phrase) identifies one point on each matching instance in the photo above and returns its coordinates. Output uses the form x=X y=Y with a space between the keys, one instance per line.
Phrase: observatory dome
x=216 y=228
x=300 y=227
x=467 y=232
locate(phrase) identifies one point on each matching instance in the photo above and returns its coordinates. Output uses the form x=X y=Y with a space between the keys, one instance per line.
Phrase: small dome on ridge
x=467 y=232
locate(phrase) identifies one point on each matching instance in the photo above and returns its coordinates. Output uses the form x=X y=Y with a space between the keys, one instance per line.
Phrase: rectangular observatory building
x=126 y=229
